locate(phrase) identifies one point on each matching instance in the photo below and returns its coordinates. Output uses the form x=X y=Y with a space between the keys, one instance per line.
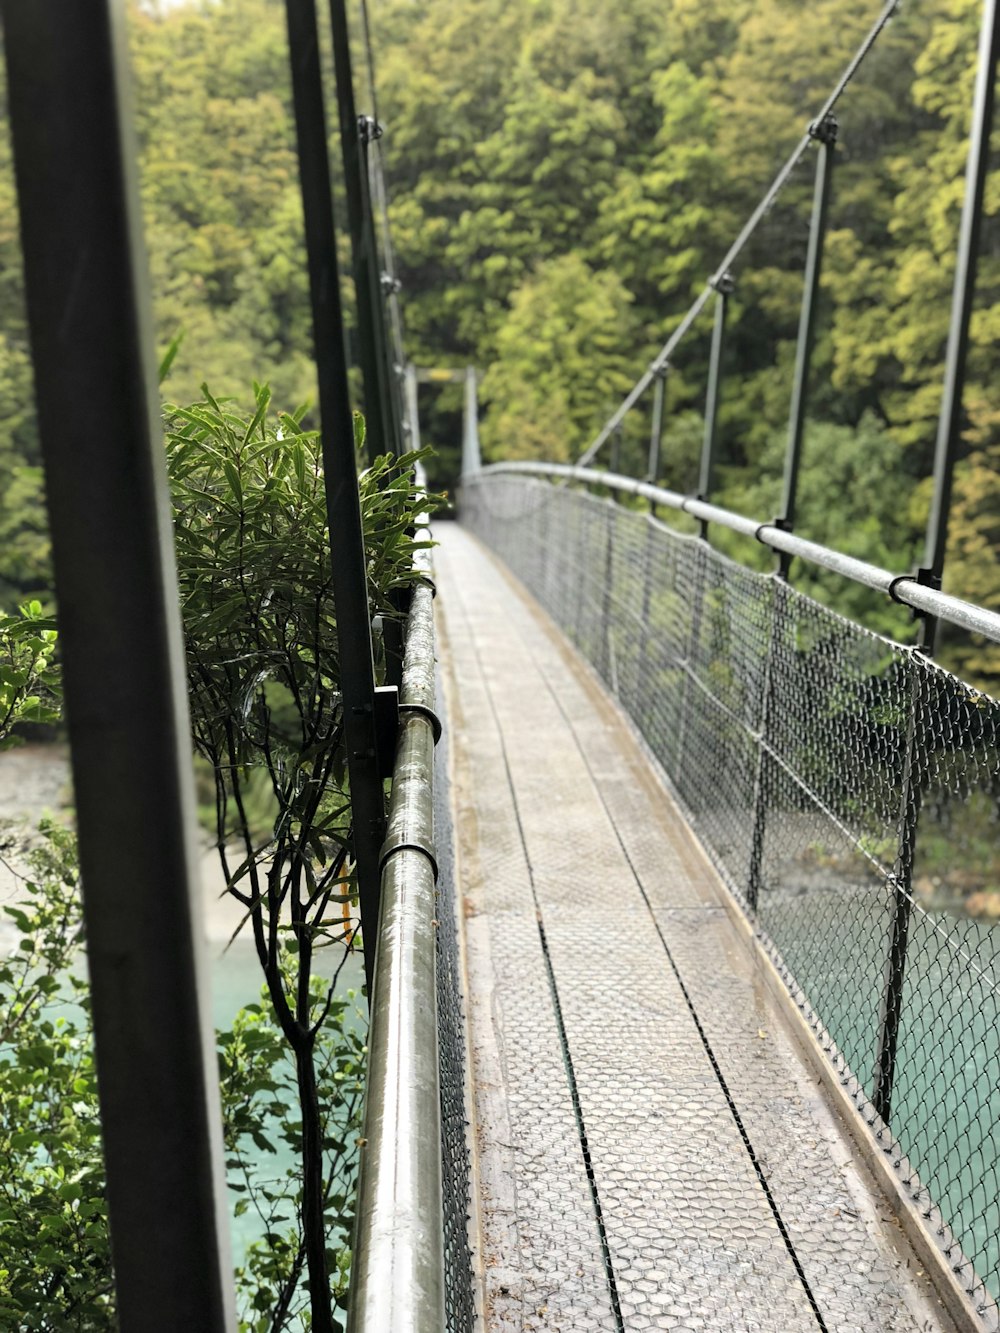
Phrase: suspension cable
x=739 y=245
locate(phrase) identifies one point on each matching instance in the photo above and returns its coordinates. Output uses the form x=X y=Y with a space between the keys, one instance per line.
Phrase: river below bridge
x=34 y=782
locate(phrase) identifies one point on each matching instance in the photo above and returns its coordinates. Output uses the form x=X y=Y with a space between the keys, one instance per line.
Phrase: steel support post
x=647 y=606
x=891 y=1007
x=391 y=369
x=123 y=661
x=607 y=599
x=825 y=133
x=690 y=660
x=366 y=276
x=656 y=425
x=948 y=442
x=758 y=832
x=616 y=452
x=949 y=433
x=723 y=290
x=350 y=589
x=471 y=456
x=412 y=405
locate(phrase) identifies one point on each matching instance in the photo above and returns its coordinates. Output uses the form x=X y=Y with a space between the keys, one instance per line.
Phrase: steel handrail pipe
x=743 y=239
x=905 y=588
x=397 y=1282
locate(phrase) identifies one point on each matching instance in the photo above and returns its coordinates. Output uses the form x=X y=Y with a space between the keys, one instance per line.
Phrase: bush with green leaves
x=263 y=653
x=261 y=636
x=55 y=1257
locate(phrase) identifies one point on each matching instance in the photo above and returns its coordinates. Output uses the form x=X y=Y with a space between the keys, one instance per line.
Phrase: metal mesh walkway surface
x=652 y=1149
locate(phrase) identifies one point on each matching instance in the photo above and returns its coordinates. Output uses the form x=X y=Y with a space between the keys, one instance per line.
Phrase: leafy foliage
x=29 y=685
x=263 y=652
x=55 y=1270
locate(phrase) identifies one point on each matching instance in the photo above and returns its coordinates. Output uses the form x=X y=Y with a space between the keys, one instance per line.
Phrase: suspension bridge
x=663 y=1033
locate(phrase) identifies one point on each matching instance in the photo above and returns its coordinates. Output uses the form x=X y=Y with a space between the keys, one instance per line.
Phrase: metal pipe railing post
x=825 y=133
x=758 y=830
x=616 y=449
x=350 y=589
x=471 y=457
x=689 y=661
x=948 y=441
x=123 y=662
x=412 y=405
x=656 y=427
x=391 y=369
x=353 y=133
x=607 y=598
x=891 y=1005
x=949 y=433
x=724 y=288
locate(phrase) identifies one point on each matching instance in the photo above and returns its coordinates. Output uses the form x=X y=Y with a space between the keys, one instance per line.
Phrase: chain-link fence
x=847 y=788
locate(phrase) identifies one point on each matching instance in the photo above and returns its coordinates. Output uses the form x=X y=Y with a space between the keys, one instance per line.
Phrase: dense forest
x=565 y=174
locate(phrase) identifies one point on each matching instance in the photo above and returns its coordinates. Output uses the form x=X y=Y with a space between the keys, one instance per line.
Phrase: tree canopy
x=565 y=175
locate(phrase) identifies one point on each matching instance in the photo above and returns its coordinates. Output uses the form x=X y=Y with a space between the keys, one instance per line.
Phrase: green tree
x=559 y=364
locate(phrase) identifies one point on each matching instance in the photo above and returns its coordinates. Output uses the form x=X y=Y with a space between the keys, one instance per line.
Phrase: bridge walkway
x=652 y=1149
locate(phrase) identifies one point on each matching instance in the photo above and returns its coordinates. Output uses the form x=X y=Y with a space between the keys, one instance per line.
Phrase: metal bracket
x=782 y=524
x=421 y=710
x=825 y=131
x=927 y=578
x=369 y=129
x=724 y=284
x=390 y=285
x=386 y=727
x=660 y=369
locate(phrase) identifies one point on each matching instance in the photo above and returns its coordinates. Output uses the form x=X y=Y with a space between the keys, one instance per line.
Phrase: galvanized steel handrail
x=397 y=1280
x=904 y=588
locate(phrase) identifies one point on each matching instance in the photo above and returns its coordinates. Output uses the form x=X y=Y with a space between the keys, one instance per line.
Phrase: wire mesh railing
x=847 y=788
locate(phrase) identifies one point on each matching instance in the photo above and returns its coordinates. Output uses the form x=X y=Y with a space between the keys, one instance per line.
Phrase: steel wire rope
x=380 y=194
x=661 y=360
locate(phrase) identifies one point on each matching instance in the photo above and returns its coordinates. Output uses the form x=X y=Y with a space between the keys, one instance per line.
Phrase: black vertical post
x=391 y=369
x=616 y=451
x=123 y=661
x=607 y=599
x=891 y=1007
x=656 y=427
x=758 y=829
x=350 y=589
x=950 y=421
x=825 y=133
x=412 y=406
x=723 y=290
x=366 y=278
x=689 y=662
x=652 y=467
x=471 y=454
x=948 y=440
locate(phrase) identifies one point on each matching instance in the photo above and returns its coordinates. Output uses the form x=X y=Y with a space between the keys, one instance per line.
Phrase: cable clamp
x=825 y=131
x=659 y=369
x=723 y=283
x=421 y=710
x=397 y=843
x=369 y=129
x=390 y=285
x=782 y=524
x=926 y=579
